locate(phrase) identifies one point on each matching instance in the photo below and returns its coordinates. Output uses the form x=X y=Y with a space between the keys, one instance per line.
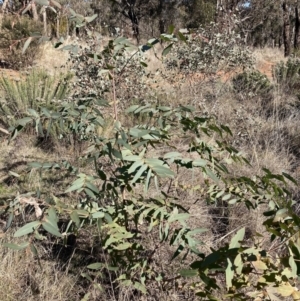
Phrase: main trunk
x=297 y=28
x=5 y=2
x=286 y=29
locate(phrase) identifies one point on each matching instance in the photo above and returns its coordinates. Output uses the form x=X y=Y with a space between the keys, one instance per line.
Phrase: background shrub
x=287 y=76
x=12 y=35
x=252 y=84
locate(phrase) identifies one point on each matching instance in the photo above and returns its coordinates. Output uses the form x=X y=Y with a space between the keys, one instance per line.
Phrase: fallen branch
x=4 y=131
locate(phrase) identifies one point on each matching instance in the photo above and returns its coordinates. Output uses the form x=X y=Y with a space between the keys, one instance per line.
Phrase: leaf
x=188 y=273
x=86 y=297
x=35 y=164
x=178 y=217
x=51 y=228
x=75 y=218
x=138 y=133
x=76 y=185
x=260 y=265
x=135 y=165
x=132 y=108
x=99 y=214
x=226 y=197
x=9 y=221
x=292 y=264
x=90 y=193
x=33 y=112
x=140 y=287
x=182 y=37
x=132 y=158
x=167 y=49
x=123 y=246
x=139 y=173
x=91 y=18
x=172 y=155
x=15 y=246
x=149 y=174
x=26 y=44
x=211 y=175
x=229 y=274
x=290 y=178
x=285 y=290
x=92 y=187
x=27 y=229
x=232 y=202
x=24 y=121
x=171 y=29
x=238 y=262
x=52 y=217
x=163 y=171
x=234 y=243
x=199 y=163
x=95 y=266
x=72 y=12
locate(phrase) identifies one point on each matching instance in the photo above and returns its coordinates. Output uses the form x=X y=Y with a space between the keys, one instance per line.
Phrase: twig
x=4 y=131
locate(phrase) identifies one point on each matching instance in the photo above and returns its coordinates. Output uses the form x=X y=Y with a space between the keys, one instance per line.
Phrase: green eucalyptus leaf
x=235 y=241
x=27 y=229
x=229 y=274
x=188 y=273
x=15 y=246
x=91 y=18
x=137 y=176
x=140 y=287
x=26 y=44
x=75 y=218
x=95 y=266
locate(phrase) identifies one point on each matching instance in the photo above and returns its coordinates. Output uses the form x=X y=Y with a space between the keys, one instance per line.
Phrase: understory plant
x=287 y=76
x=32 y=91
x=126 y=200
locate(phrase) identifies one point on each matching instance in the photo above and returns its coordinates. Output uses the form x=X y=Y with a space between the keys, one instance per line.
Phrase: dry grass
x=266 y=58
x=47 y=61
x=22 y=279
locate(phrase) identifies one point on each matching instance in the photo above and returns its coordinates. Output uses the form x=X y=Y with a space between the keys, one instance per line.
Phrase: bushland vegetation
x=162 y=165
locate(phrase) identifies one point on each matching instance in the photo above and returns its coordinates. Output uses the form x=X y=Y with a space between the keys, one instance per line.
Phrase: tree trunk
x=286 y=29
x=45 y=20
x=297 y=29
x=34 y=11
x=5 y=2
x=57 y=25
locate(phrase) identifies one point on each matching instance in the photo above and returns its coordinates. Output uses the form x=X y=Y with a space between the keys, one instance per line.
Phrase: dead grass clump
x=20 y=281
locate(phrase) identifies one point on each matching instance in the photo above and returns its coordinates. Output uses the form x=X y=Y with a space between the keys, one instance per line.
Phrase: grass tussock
x=38 y=89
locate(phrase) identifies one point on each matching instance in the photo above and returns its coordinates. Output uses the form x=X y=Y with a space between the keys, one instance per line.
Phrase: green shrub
x=252 y=84
x=14 y=31
x=287 y=76
x=125 y=203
